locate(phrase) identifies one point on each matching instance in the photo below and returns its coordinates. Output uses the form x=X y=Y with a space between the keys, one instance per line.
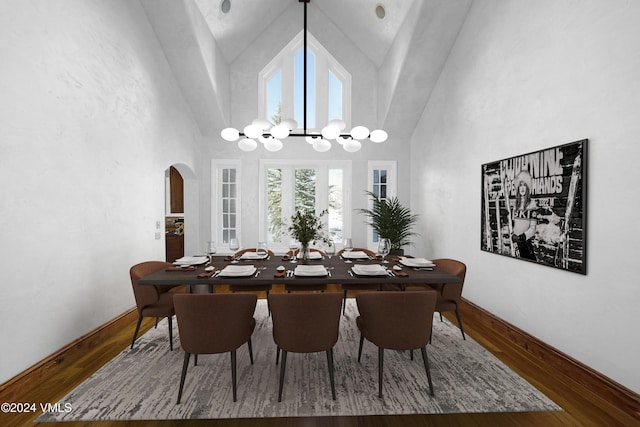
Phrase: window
x=382 y=183
x=225 y=201
x=290 y=185
x=281 y=88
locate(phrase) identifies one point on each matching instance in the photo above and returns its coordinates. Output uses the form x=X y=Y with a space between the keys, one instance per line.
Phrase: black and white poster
x=534 y=207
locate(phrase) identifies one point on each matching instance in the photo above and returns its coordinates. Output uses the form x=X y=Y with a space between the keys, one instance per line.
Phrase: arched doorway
x=181 y=212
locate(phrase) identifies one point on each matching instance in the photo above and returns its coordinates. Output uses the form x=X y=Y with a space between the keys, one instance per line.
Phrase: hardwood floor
x=581 y=406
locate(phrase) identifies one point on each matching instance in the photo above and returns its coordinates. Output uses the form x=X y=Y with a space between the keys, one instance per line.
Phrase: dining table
x=278 y=269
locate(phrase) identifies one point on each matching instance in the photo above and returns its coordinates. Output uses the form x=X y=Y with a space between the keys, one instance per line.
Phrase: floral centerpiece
x=307 y=227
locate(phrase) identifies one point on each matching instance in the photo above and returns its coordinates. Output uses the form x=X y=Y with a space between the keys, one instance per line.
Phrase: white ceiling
x=247 y=19
x=409 y=47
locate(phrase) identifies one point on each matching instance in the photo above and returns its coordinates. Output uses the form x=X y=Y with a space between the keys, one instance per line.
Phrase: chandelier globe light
x=271 y=136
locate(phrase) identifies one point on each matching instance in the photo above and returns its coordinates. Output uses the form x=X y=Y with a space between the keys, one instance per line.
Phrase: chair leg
x=195 y=360
x=380 y=367
x=156 y=326
x=185 y=365
x=440 y=315
x=233 y=373
x=426 y=367
x=411 y=352
x=344 y=305
x=460 y=323
x=360 y=347
x=250 y=350
x=170 y=319
x=330 y=363
x=277 y=354
x=135 y=334
x=284 y=363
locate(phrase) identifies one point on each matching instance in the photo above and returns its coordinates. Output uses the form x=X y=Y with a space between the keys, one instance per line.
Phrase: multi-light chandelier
x=271 y=136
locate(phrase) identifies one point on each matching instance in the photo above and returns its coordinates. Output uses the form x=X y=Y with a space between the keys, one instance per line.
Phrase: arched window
x=281 y=88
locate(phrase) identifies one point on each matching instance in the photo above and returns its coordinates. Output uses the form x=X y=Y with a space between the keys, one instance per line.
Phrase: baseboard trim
x=609 y=390
x=63 y=358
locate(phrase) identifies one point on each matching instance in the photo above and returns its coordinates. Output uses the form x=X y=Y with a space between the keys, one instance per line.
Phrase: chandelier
x=271 y=136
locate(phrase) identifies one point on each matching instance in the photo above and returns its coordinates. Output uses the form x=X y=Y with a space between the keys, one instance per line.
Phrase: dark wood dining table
x=266 y=270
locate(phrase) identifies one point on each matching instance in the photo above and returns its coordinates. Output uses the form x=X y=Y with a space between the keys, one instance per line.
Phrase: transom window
x=281 y=86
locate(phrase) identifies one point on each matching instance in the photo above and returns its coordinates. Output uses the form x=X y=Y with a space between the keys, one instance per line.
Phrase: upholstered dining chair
x=396 y=321
x=152 y=301
x=252 y=288
x=449 y=295
x=357 y=286
x=290 y=287
x=305 y=323
x=213 y=324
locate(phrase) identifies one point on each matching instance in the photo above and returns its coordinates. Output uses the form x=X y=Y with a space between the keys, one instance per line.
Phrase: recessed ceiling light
x=380 y=12
x=225 y=6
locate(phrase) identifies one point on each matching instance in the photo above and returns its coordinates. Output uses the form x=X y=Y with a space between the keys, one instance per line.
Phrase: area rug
x=142 y=383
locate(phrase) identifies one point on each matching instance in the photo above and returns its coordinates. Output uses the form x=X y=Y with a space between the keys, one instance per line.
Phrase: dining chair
x=357 y=286
x=214 y=324
x=292 y=287
x=151 y=300
x=305 y=323
x=396 y=321
x=252 y=288
x=450 y=294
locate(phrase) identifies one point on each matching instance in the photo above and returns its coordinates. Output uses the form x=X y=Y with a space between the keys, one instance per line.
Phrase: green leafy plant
x=391 y=220
x=307 y=227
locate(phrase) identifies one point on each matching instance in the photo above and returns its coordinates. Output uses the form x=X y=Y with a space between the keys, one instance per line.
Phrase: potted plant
x=392 y=221
x=307 y=227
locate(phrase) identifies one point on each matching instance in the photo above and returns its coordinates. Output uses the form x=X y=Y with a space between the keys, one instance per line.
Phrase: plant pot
x=396 y=252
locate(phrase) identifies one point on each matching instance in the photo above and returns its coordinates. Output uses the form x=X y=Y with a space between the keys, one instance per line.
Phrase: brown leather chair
x=213 y=324
x=396 y=321
x=357 y=286
x=252 y=288
x=305 y=323
x=151 y=300
x=449 y=295
x=289 y=287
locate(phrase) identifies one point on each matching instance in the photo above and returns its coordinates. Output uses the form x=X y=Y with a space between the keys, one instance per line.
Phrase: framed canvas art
x=534 y=207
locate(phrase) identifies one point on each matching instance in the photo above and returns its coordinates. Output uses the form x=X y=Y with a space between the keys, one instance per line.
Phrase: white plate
x=312 y=255
x=253 y=255
x=191 y=260
x=369 y=270
x=237 y=271
x=416 y=262
x=310 y=270
x=355 y=255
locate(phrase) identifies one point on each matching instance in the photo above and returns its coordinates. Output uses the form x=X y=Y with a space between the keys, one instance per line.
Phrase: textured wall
x=525 y=76
x=90 y=118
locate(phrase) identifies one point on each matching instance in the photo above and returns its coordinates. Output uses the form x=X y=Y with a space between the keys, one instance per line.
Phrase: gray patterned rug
x=142 y=384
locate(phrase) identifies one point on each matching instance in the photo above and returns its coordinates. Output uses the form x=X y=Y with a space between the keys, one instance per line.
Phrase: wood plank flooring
x=581 y=406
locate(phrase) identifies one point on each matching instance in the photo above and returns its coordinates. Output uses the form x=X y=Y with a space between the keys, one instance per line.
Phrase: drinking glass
x=210 y=250
x=261 y=250
x=384 y=247
x=348 y=247
x=234 y=245
x=330 y=251
x=293 y=246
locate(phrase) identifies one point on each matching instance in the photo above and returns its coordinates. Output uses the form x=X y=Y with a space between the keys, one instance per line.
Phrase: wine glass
x=384 y=247
x=261 y=250
x=293 y=246
x=330 y=251
x=348 y=247
x=234 y=245
x=210 y=249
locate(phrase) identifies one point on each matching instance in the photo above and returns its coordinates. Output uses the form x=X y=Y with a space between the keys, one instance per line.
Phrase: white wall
x=90 y=118
x=524 y=76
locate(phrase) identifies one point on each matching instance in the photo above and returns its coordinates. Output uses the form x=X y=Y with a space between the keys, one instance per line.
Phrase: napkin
x=206 y=274
x=280 y=274
x=399 y=273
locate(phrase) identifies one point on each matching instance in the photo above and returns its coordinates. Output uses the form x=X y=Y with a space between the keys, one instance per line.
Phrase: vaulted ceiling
x=409 y=45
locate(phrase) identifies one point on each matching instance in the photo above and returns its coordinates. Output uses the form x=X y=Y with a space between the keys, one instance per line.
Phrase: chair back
x=214 y=323
x=297 y=252
x=241 y=251
x=396 y=320
x=452 y=291
x=305 y=323
x=148 y=294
